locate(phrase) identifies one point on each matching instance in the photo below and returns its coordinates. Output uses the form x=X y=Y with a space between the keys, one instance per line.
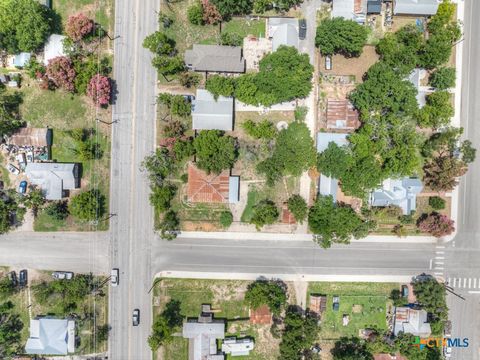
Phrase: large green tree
x=298 y=207
x=24 y=25
x=266 y=292
x=220 y=85
x=165 y=324
x=284 y=75
x=9 y=111
x=340 y=36
x=335 y=222
x=159 y=43
x=299 y=334
x=227 y=8
x=351 y=348
x=294 y=153
x=438 y=110
x=431 y=295
x=11 y=327
x=443 y=78
x=215 y=151
x=88 y=205
x=384 y=92
x=264 y=213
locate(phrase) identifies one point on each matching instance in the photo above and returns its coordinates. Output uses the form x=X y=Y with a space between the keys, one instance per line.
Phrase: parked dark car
x=23 y=277
x=302 y=29
x=136 y=317
x=12 y=275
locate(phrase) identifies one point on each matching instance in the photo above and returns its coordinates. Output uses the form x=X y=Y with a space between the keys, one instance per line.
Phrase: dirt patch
x=357 y=309
x=350 y=66
x=265 y=344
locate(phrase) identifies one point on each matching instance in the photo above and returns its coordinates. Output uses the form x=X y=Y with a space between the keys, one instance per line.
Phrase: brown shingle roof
x=207 y=188
x=341 y=115
x=262 y=315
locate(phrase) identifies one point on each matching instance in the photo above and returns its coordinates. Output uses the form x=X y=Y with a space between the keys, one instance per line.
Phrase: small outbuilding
x=20 y=60
x=283 y=31
x=237 y=347
x=54 y=48
x=374 y=7
x=37 y=137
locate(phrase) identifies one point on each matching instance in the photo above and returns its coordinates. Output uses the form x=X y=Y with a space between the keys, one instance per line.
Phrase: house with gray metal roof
x=209 y=113
x=203 y=333
x=398 y=192
x=215 y=58
x=51 y=337
x=411 y=321
x=415 y=77
x=416 y=7
x=349 y=10
x=329 y=186
x=54 y=178
x=283 y=31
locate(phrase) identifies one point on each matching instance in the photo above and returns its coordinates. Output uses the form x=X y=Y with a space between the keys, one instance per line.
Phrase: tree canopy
x=9 y=111
x=384 y=92
x=299 y=334
x=215 y=151
x=24 y=25
x=298 y=207
x=335 y=222
x=227 y=8
x=220 y=85
x=351 y=348
x=443 y=78
x=159 y=43
x=264 y=213
x=11 y=327
x=266 y=292
x=293 y=153
x=340 y=36
x=88 y=205
x=438 y=110
x=431 y=295
x=284 y=75
x=165 y=325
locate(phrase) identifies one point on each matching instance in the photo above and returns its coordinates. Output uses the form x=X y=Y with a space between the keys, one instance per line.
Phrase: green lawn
x=4 y=173
x=244 y=28
x=101 y=11
x=364 y=303
x=252 y=198
x=226 y=298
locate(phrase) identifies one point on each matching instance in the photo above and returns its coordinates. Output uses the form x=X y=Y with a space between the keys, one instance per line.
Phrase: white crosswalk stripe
x=475 y=282
x=465 y=282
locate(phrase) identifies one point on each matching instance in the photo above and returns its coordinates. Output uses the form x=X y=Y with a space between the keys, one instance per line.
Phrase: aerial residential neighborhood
x=254 y=179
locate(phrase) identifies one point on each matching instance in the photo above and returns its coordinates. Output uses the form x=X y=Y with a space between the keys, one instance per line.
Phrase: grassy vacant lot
x=186 y=34
x=364 y=303
x=226 y=298
x=278 y=193
x=101 y=11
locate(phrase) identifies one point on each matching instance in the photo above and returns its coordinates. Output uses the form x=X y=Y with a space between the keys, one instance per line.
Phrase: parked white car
x=114 y=277
x=13 y=169
x=62 y=275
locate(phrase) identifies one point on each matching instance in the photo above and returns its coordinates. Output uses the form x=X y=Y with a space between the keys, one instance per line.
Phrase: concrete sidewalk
x=284 y=277
x=262 y=236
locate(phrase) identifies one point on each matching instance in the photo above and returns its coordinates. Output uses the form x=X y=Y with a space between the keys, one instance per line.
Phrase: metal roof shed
x=374 y=6
x=234 y=189
x=416 y=7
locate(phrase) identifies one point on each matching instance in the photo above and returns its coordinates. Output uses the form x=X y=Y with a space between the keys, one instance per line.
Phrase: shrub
x=264 y=213
x=270 y=293
x=161 y=197
x=184 y=178
x=436 y=224
x=87 y=68
x=220 y=85
x=189 y=79
x=231 y=39
x=226 y=219
x=211 y=15
x=443 y=78
x=436 y=202
x=99 y=90
x=88 y=205
x=34 y=69
x=195 y=14
x=400 y=230
x=61 y=72
x=57 y=210
x=298 y=207
x=78 y=26
x=263 y=130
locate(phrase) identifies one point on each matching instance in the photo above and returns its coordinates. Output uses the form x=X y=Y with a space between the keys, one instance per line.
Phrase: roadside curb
x=243 y=236
x=284 y=277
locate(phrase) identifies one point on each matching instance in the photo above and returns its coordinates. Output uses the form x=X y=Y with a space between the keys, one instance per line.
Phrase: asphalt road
x=291 y=257
x=133 y=139
x=463 y=261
